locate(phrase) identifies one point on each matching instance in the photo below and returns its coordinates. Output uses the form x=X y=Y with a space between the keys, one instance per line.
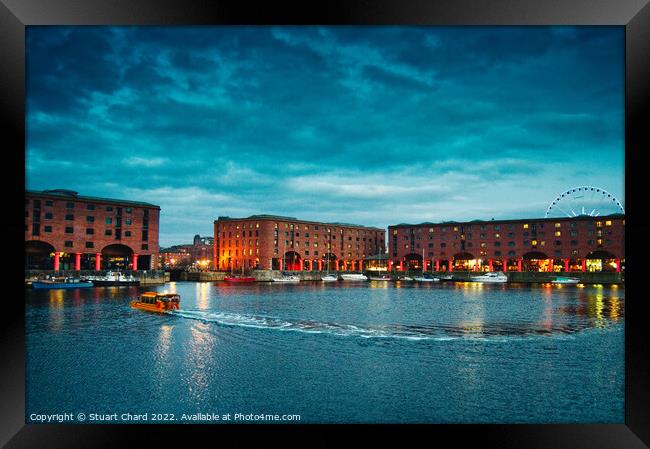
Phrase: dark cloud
x=363 y=124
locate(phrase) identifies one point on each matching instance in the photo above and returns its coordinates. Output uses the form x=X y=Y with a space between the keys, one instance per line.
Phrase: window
x=574 y=243
x=109 y=209
x=48 y=215
x=108 y=232
x=443 y=245
x=497 y=253
x=48 y=229
x=127 y=233
x=144 y=246
x=36 y=229
x=511 y=243
x=525 y=225
x=608 y=223
x=127 y=210
x=69 y=205
x=90 y=219
x=145 y=235
x=69 y=230
x=558 y=233
x=90 y=231
x=558 y=225
x=90 y=206
x=69 y=217
x=109 y=220
x=558 y=243
x=49 y=203
x=68 y=244
x=118 y=234
x=127 y=221
x=90 y=245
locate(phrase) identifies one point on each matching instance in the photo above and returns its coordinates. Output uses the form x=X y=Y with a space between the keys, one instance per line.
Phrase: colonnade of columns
x=429 y=265
x=98 y=261
x=320 y=264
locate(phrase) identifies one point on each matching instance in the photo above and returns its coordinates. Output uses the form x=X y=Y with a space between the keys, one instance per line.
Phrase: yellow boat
x=157 y=302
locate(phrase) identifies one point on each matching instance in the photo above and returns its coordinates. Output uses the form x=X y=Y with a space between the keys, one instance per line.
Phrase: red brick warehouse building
x=274 y=242
x=581 y=243
x=66 y=231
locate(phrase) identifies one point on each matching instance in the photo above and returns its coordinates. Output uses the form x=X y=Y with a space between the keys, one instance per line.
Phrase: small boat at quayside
x=157 y=302
x=565 y=280
x=239 y=279
x=285 y=278
x=426 y=279
x=354 y=277
x=61 y=283
x=383 y=277
x=491 y=277
x=329 y=278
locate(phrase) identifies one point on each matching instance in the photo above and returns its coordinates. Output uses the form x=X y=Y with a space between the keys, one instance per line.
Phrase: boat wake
x=441 y=332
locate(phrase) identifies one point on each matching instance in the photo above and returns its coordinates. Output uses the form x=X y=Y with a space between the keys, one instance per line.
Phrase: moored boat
x=61 y=283
x=329 y=278
x=286 y=278
x=383 y=277
x=565 y=280
x=426 y=279
x=157 y=302
x=354 y=277
x=239 y=279
x=405 y=278
x=115 y=278
x=491 y=277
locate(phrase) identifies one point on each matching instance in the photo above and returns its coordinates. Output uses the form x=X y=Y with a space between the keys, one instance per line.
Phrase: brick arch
x=39 y=247
x=117 y=249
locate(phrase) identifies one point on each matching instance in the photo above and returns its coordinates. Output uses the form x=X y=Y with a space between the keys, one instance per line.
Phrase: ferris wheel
x=584 y=200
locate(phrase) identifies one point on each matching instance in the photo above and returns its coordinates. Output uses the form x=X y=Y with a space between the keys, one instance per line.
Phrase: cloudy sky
x=368 y=125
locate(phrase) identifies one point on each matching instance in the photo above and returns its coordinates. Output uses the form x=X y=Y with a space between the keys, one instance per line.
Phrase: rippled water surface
x=334 y=352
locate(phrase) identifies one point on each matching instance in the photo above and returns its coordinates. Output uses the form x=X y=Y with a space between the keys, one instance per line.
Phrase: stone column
x=618 y=265
x=584 y=265
x=566 y=265
x=490 y=265
x=320 y=264
x=98 y=261
x=77 y=261
x=390 y=264
x=135 y=262
x=401 y=265
x=56 y=261
x=451 y=264
x=437 y=265
x=519 y=264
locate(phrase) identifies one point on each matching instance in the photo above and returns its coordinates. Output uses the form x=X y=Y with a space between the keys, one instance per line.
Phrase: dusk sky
x=366 y=125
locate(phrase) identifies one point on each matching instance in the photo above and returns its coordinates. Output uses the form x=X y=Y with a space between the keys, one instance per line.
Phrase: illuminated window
x=558 y=225
x=599 y=224
x=533 y=242
x=525 y=225
x=558 y=233
x=608 y=223
x=496 y=236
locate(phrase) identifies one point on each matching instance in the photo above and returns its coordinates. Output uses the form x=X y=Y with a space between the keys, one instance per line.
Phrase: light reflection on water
x=409 y=352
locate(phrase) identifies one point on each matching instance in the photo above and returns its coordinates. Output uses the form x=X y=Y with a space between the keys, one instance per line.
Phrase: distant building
x=197 y=255
x=67 y=231
x=581 y=243
x=276 y=242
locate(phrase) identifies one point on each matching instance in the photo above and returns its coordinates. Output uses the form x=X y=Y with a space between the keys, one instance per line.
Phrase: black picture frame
x=15 y=15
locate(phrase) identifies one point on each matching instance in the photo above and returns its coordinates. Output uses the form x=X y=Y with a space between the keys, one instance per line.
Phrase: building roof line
x=71 y=195
x=284 y=218
x=517 y=220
